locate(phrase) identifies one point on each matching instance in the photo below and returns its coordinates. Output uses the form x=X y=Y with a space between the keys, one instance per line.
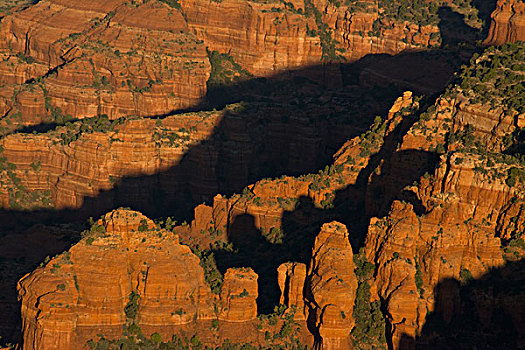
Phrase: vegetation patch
x=225 y=71
x=369 y=327
x=496 y=77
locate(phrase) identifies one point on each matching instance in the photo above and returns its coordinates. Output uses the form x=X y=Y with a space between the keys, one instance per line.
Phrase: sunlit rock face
x=86 y=289
x=417 y=222
x=507 y=23
x=62 y=59
x=99 y=57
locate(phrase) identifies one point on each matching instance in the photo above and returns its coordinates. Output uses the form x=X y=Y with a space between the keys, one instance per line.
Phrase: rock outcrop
x=332 y=285
x=454 y=230
x=291 y=279
x=239 y=291
x=262 y=40
x=507 y=23
x=125 y=254
x=457 y=217
x=63 y=168
x=125 y=273
x=62 y=58
x=455 y=227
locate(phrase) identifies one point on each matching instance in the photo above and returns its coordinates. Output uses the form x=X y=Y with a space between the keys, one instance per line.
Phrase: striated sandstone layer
x=507 y=23
x=113 y=58
x=266 y=38
x=62 y=60
x=291 y=279
x=126 y=271
x=63 y=167
x=261 y=40
x=238 y=294
x=57 y=299
x=332 y=285
x=132 y=160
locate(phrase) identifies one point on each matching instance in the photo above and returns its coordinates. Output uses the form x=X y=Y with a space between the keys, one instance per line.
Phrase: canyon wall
x=368 y=252
x=507 y=23
x=454 y=233
x=266 y=38
x=458 y=236
x=111 y=161
x=456 y=225
x=63 y=60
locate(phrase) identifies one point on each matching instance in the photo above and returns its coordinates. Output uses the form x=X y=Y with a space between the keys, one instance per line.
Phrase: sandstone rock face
x=291 y=279
x=416 y=253
x=260 y=40
x=60 y=173
x=128 y=271
x=238 y=295
x=268 y=200
x=61 y=59
x=507 y=23
x=489 y=125
x=354 y=31
x=39 y=242
x=130 y=256
x=454 y=230
x=64 y=167
x=268 y=38
x=457 y=234
x=97 y=58
x=332 y=284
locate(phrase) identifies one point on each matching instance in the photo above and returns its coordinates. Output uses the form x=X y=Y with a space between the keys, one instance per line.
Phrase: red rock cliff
x=507 y=23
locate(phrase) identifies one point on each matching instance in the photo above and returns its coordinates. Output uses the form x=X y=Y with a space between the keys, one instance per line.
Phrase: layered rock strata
x=464 y=209
x=63 y=59
x=59 y=317
x=81 y=60
x=332 y=284
x=507 y=23
x=130 y=259
x=193 y=152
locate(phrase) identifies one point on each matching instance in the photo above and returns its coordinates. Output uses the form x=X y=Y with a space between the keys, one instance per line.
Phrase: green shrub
x=224 y=70
x=173 y=3
x=132 y=307
x=465 y=275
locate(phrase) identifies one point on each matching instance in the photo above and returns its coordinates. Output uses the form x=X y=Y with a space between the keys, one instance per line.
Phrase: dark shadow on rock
x=484 y=313
x=485 y=9
x=264 y=252
x=454 y=30
x=289 y=124
x=354 y=206
x=382 y=181
x=253 y=250
x=401 y=169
